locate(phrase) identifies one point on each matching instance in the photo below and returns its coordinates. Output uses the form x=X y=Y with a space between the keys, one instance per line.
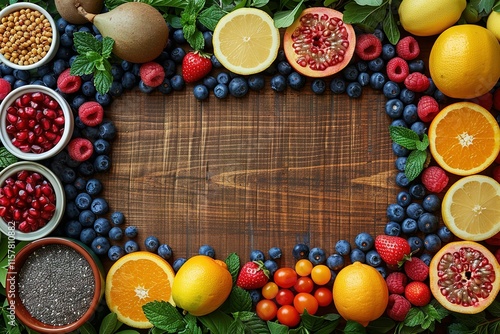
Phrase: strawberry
x=392 y=249
x=253 y=275
x=416 y=269
x=195 y=66
x=418 y=293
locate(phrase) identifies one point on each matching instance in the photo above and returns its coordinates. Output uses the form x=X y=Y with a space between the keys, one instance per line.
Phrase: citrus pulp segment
x=471 y=208
x=135 y=280
x=245 y=41
x=464 y=138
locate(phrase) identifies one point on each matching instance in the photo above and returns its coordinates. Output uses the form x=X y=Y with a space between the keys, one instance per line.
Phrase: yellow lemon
x=493 y=24
x=429 y=17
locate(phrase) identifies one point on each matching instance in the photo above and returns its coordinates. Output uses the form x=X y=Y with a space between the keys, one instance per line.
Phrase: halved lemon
x=246 y=41
x=135 y=280
x=471 y=208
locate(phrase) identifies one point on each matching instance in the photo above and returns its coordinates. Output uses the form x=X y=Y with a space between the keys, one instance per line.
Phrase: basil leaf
x=108 y=324
x=390 y=27
x=284 y=19
x=164 y=316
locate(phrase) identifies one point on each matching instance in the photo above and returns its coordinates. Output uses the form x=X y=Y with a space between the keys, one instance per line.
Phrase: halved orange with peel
x=135 y=280
x=464 y=138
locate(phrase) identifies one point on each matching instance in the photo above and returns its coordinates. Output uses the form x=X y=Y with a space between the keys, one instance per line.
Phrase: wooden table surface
x=269 y=169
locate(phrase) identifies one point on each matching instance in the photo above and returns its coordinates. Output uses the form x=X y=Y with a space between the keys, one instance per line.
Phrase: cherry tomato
x=266 y=309
x=304 y=284
x=288 y=316
x=324 y=296
x=285 y=277
x=284 y=297
x=305 y=301
x=303 y=267
x=270 y=290
x=321 y=274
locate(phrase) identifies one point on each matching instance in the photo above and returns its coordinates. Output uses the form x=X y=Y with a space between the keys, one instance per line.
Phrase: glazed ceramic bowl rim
x=20 y=259
x=60 y=201
x=68 y=122
x=55 y=35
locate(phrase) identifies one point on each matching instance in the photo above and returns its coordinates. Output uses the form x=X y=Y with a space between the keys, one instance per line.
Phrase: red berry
x=496 y=173
x=195 y=66
x=418 y=293
x=152 y=74
x=416 y=269
x=392 y=249
x=397 y=69
x=68 y=83
x=485 y=100
x=408 y=48
x=368 y=46
x=91 y=113
x=253 y=275
x=398 y=307
x=396 y=282
x=417 y=82
x=80 y=149
x=5 y=88
x=434 y=178
x=496 y=99
x=427 y=108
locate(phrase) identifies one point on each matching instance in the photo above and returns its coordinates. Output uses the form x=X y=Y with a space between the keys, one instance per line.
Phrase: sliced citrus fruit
x=471 y=208
x=135 y=280
x=464 y=138
x=245 y=41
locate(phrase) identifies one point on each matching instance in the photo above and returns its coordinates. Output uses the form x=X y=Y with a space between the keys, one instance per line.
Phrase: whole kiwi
x=67 y=9
x=139 y=30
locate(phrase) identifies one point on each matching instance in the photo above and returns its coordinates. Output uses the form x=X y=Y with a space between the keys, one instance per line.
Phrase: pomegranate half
x=319 y=43
x=464 y=277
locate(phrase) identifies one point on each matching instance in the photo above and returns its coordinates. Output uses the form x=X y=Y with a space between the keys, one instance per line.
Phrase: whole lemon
x=493 y=24
x=429 y=17
x=360 y=293
x=201 y=285
x=464 y=61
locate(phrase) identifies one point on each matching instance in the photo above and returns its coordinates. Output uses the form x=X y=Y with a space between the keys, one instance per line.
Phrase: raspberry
x=397 y=307
x=408 y=48
x=417 y=82
x=152 y=74
x=496 y=173
x=68 y=83
x=91 y=113
x=434 y=179
x=368 y=46
x=416 y=269
x=485 y=100
x=80 y=149
x=427 y=108
x=397 y=69
x=396 y=282
x=418 y=293
x=5 y=88
x=496 y=99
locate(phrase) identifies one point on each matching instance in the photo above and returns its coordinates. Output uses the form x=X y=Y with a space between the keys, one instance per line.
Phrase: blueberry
x=431 y=203
x=115 y=252
x=165 y=251
x=272 y=266
x=99 y=206
x=391 y=90
x=439 y=96
x=72 y=211
x=364 y=241
x=21 y=74
x=77 y=101
x=131 y=246
x=87 y=235
x=295 y=80
x=91 y=133
x=275 y=253
x=383 y=271
x=318 y=86
x=428 y=222
x=177 y=55
x=207 y=250
x=80 y=183
x=87 y=218
x=388 y=51
x=335 y=262
x=145 y=88
x=210 y=82
x=300 y=251
x=414 y=210
x=115 y=233
x=165 y=87
x=343 y=247
x=410 y=114
x=100 y=245
x=221 y=91
x=101 y=146
x=403 y=198
x=238 y=87
x=350 y=72
x=19 y=83
x=278 y=83
x=178 y=36
x=102 y=225
x=83 y=201
x=103 y=99
x=67 y=175
x=394 y=108
x=445 y=234
x=373 y=258
x=215 y=62
x=416 y=244
x=317 y=255
x=11 y=80
x=49 y=80
x=407 y=96
x=409 y=226
x=357 y=255
x=284 y=68
x=377 y=81
x=395 y=212
x=376 y=65
x=354 y=90
x=131 y=231
x=102 y=163
x=419 y=128
x=177 y=82
x=73 y=228
x=207 y=38
x=362 y=66
x=338 y=85
x=363 y=79
x=416 y=65
x=426 y=257
x=256 y=82
x=116 y=88
x=200 y=92
x=61 y=24
x=223 y=78
x=70 y=192
x=392 y=228
x=432 y=243
x=93 y=187
x=178 y=263
x=402 y=180
x=151 y=243
x=257 y=255
x=129 y=80
x=417 y=191
x=255 y=295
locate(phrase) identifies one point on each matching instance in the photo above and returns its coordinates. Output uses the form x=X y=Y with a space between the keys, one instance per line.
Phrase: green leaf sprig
x=93 y=58
x=484 y=322
x=419 y=155
x=421 y=319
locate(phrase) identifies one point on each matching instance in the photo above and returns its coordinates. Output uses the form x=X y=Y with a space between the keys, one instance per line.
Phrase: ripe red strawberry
x=253 y=275
x=392 y=249
x=416 y=269
x=418 y=293
x=195 y=66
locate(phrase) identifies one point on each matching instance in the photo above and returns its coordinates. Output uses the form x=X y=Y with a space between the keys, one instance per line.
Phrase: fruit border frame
x=110 y=321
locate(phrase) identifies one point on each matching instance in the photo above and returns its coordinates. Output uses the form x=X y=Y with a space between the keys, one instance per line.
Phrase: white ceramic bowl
x=68 y=126
x=11 y=170
x=55 y=35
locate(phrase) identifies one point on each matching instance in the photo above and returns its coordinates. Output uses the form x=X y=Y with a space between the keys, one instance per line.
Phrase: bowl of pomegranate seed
x=28 y=36
x=36 y=122
x=32 y=201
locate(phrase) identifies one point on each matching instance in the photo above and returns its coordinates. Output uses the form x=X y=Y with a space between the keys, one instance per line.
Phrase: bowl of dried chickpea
x=28 y=36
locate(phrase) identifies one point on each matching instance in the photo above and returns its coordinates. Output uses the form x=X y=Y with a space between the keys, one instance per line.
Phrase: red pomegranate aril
x=12 y=119
x=43 y=200
x=52 y=104
x=10 y=129
x=24 y=227
x=33 y=212
x=45 y=123
x=47 y=190
x=21 y=123
x=49 y=113
x=59 y=120
x=32 y=123
x=30 y=112
x=4 y=201
x=37 y=149
x=22 y=135
x=50 y=208
x=37 y=96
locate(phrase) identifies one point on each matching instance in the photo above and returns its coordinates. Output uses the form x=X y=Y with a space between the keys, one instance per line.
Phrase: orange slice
x=135 y=280
x=246 y=41
x=464 y=138
x=471 y=208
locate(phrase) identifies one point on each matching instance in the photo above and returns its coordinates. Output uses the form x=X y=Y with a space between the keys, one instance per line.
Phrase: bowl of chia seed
x=54 y=285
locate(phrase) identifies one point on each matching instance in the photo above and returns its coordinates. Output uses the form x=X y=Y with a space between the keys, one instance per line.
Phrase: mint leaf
x=369 y=2
x=236 y=327
x=233 y=265
x=458 y=328
x=210 y=17
x=284 y=19
x=315 y=323
x=6 y=158
x=442 y=312
x=85 y=42
x=197 y=42
x=217 y=322
x=414 y=317
x=239 y=300
x=191 y=325
x=415 y=164
x=164 y=316
x=354 y=327
x=277 y=328
x=107 y=47
x=251 y=322
x=381 y=325
x=259 y=3
x=81 y=66
x=404 y=137
x=102 y=81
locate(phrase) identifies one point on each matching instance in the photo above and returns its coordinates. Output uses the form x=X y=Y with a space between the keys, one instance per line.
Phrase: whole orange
x=464 y=61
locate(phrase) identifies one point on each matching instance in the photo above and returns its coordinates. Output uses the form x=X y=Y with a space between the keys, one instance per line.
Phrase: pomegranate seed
x=24 y=227
x=49 y=113
x=12 y=119
x=3 y=211
x=37 y=96
x=30 y=112
x=4 y=201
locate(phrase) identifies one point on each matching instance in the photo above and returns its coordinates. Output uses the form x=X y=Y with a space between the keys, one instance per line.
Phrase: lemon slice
x=471 y=208
x=246 y=41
